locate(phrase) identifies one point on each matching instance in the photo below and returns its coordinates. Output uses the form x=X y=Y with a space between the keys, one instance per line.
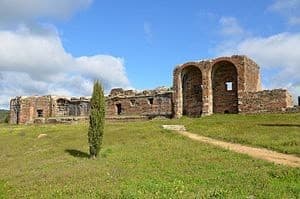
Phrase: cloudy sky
x=61 y=46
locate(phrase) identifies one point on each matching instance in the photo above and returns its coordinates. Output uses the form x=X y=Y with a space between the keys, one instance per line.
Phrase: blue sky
x=61 y=46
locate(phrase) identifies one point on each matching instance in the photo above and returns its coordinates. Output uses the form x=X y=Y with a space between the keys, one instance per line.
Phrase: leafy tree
x=97 y=117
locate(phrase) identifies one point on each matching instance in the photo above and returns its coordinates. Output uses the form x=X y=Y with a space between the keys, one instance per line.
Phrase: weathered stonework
x=224 y=82
x=150 y=103
x=120 y=104
x=221 y=85
x=273 y=101
x=40 y=109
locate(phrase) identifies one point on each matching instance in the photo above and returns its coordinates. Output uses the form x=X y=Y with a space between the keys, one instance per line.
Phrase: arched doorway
x=225 y=87
x=191 y=78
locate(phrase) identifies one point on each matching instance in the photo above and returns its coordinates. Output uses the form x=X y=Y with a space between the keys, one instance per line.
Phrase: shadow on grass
x=281 y=125
x=77 y=153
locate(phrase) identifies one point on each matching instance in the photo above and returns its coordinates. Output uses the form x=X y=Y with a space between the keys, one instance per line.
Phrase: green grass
x=138 y=160
x=279 y=132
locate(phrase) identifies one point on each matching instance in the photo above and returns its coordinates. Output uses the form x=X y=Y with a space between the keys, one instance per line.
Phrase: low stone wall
x=295 y=109
x=267 y=101
x=126 y=118
x=59 y=120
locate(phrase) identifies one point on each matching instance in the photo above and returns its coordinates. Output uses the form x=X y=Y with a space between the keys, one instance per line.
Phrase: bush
x=6 y=120
x=97 y=117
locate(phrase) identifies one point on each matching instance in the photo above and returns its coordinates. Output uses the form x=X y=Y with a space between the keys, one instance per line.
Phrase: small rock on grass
x=174 y=127
x=42 y=135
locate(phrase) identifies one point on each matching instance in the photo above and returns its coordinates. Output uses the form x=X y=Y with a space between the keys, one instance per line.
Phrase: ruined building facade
x=42 y=109
x=221 y=85
x=224 y=85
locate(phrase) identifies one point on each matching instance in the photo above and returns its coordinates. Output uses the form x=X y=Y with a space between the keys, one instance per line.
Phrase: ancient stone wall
x=221 y=85
x=38 y=108
x=267 y=101
x=225 y=88
x=192 y=91
x=222 y=81
x=26 y=109
x=252 y=77
x=14 y=110
x=149 y=103
x=63 y=106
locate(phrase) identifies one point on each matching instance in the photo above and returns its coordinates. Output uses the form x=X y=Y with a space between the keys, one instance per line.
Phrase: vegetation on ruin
x=96 y=122
x=141 y=160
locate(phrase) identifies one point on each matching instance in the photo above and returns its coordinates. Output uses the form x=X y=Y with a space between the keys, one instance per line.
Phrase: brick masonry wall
x=62 y=106
x=14 y=106
x=140 y=105
x=267 y=101
x=29 y=107
x=252 y=76
x=231 y=101
x=192 y=91
x=224 y=101
x=198 y=89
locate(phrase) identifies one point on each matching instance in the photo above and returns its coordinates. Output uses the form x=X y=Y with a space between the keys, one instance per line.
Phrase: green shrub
x=6 y=120
x=4 y=116
x=97 y=117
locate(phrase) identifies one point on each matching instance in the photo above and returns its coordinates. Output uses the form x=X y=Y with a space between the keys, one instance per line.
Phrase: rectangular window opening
x=228 y=86
x=40 y=112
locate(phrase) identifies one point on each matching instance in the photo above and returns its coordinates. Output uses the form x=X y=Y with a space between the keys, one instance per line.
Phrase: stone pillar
x=177 y=95
x=207 y=90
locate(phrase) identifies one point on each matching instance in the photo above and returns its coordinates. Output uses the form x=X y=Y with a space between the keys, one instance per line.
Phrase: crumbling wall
x=192 y=91
x=63 y=106
x=38 y=109
x=252 y=76
x=267 y=101
x=199 y=88
x=243 y=73
x=26 y=109
x=14 y=111
x=149 y=103
x=225 y=88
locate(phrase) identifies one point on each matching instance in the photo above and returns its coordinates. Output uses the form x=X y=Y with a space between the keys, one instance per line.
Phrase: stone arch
x=224 y=87
x=191 y=88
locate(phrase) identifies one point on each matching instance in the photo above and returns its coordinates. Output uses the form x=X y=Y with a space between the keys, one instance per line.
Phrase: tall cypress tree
x=97 y=117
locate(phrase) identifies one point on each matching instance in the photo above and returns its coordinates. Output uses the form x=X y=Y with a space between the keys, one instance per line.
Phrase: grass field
x=141 y=160
x=279 y=132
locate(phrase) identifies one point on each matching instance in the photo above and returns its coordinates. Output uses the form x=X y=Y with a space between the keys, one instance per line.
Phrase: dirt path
x=264 y=154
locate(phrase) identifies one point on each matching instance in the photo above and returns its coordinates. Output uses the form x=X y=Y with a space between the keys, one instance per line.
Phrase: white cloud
x=16 y=11
x=38 y=55
x=288 y=8
x=39 y=60
x=230 y=27
x=279 y=52
x=33 y=60
x=109 y=69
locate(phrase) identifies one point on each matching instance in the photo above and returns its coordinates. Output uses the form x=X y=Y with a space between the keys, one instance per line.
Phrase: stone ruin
x=48 y=109
x=222 y=85
x=145 y=104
